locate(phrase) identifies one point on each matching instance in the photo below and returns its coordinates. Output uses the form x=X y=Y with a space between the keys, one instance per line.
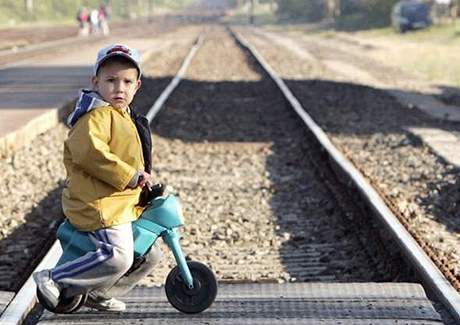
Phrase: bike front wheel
x=191 y=300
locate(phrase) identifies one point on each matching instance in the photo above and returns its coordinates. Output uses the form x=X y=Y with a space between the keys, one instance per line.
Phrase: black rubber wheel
x=65 y=305
x=71 y=306
x=197 y=299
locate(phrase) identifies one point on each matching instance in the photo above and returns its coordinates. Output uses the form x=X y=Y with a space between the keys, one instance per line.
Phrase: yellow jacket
x=102 y=154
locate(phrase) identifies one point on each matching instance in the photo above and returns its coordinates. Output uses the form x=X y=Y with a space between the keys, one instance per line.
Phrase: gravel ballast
x=370 y=126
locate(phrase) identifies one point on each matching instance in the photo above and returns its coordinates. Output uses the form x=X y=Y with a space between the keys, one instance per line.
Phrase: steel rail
x=431 y=276
x=156 y=107
x=23 y=302
x=25 y=299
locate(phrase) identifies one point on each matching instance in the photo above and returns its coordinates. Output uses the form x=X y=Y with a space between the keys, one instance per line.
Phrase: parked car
x=410 y=15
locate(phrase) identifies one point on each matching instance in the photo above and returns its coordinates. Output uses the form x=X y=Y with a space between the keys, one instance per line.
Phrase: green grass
x=262 y=15
x=446 y=34
x=431 y=53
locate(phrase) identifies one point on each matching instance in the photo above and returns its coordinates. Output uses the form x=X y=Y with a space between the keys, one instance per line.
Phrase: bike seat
x=74 y=243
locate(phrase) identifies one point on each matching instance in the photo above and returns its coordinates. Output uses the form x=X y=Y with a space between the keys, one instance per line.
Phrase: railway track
x=419 y=181
x=262 y=201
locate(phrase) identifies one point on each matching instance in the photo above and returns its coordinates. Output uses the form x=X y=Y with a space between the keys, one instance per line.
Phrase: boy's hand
x=144 y=179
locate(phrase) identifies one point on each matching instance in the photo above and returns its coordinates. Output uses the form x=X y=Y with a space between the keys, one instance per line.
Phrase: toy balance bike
x=191 y=287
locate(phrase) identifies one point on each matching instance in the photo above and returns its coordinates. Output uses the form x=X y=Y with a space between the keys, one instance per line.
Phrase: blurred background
x=352 y=14
x=421 y=36
x=344 y=14
x=13 y=12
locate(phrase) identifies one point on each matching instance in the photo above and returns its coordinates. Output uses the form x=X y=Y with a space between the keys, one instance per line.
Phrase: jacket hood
x=87 y=101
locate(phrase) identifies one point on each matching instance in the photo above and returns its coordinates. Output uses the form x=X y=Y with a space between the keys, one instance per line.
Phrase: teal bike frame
x=162 y=217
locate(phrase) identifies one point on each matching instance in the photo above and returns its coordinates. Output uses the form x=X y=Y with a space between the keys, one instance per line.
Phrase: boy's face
x=117 y=83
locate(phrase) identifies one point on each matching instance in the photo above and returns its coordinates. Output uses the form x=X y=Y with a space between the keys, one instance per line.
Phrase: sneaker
x=103 y=304
x=48 y=288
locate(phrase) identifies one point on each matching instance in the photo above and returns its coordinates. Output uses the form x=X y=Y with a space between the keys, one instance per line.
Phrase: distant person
x=108 y=11
x=107 y=156
x=103 y=20
x=94 y=21
x=83 y=21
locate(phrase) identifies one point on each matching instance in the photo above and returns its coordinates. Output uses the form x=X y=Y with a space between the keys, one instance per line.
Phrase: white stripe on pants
x=102 y=268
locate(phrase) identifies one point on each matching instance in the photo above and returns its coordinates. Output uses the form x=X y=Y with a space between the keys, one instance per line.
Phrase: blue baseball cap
x=118 y=50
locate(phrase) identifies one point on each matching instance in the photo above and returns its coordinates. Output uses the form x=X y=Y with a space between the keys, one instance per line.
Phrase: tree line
x=320 y=9
x=345 y=13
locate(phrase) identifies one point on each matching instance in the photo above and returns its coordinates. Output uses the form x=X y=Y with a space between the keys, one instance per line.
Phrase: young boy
x=107 y=156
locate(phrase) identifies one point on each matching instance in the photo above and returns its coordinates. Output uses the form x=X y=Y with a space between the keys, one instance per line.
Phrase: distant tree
x=270 y=2
x=333 y=8
x=312 y=10
x=454 y=9
x=29 y=4
x=234 y=3
x=349 y=7
x=356 y=14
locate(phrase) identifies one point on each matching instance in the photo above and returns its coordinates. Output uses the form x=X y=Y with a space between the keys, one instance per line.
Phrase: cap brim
x=111 y=55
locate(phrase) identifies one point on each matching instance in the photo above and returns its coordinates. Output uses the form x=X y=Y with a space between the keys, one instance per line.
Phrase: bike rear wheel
x=65 y=305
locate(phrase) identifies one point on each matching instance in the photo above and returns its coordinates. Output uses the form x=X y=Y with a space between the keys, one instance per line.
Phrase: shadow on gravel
x=31 y=240
x=449 y=95
x=254 y=112
x=373 y=123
